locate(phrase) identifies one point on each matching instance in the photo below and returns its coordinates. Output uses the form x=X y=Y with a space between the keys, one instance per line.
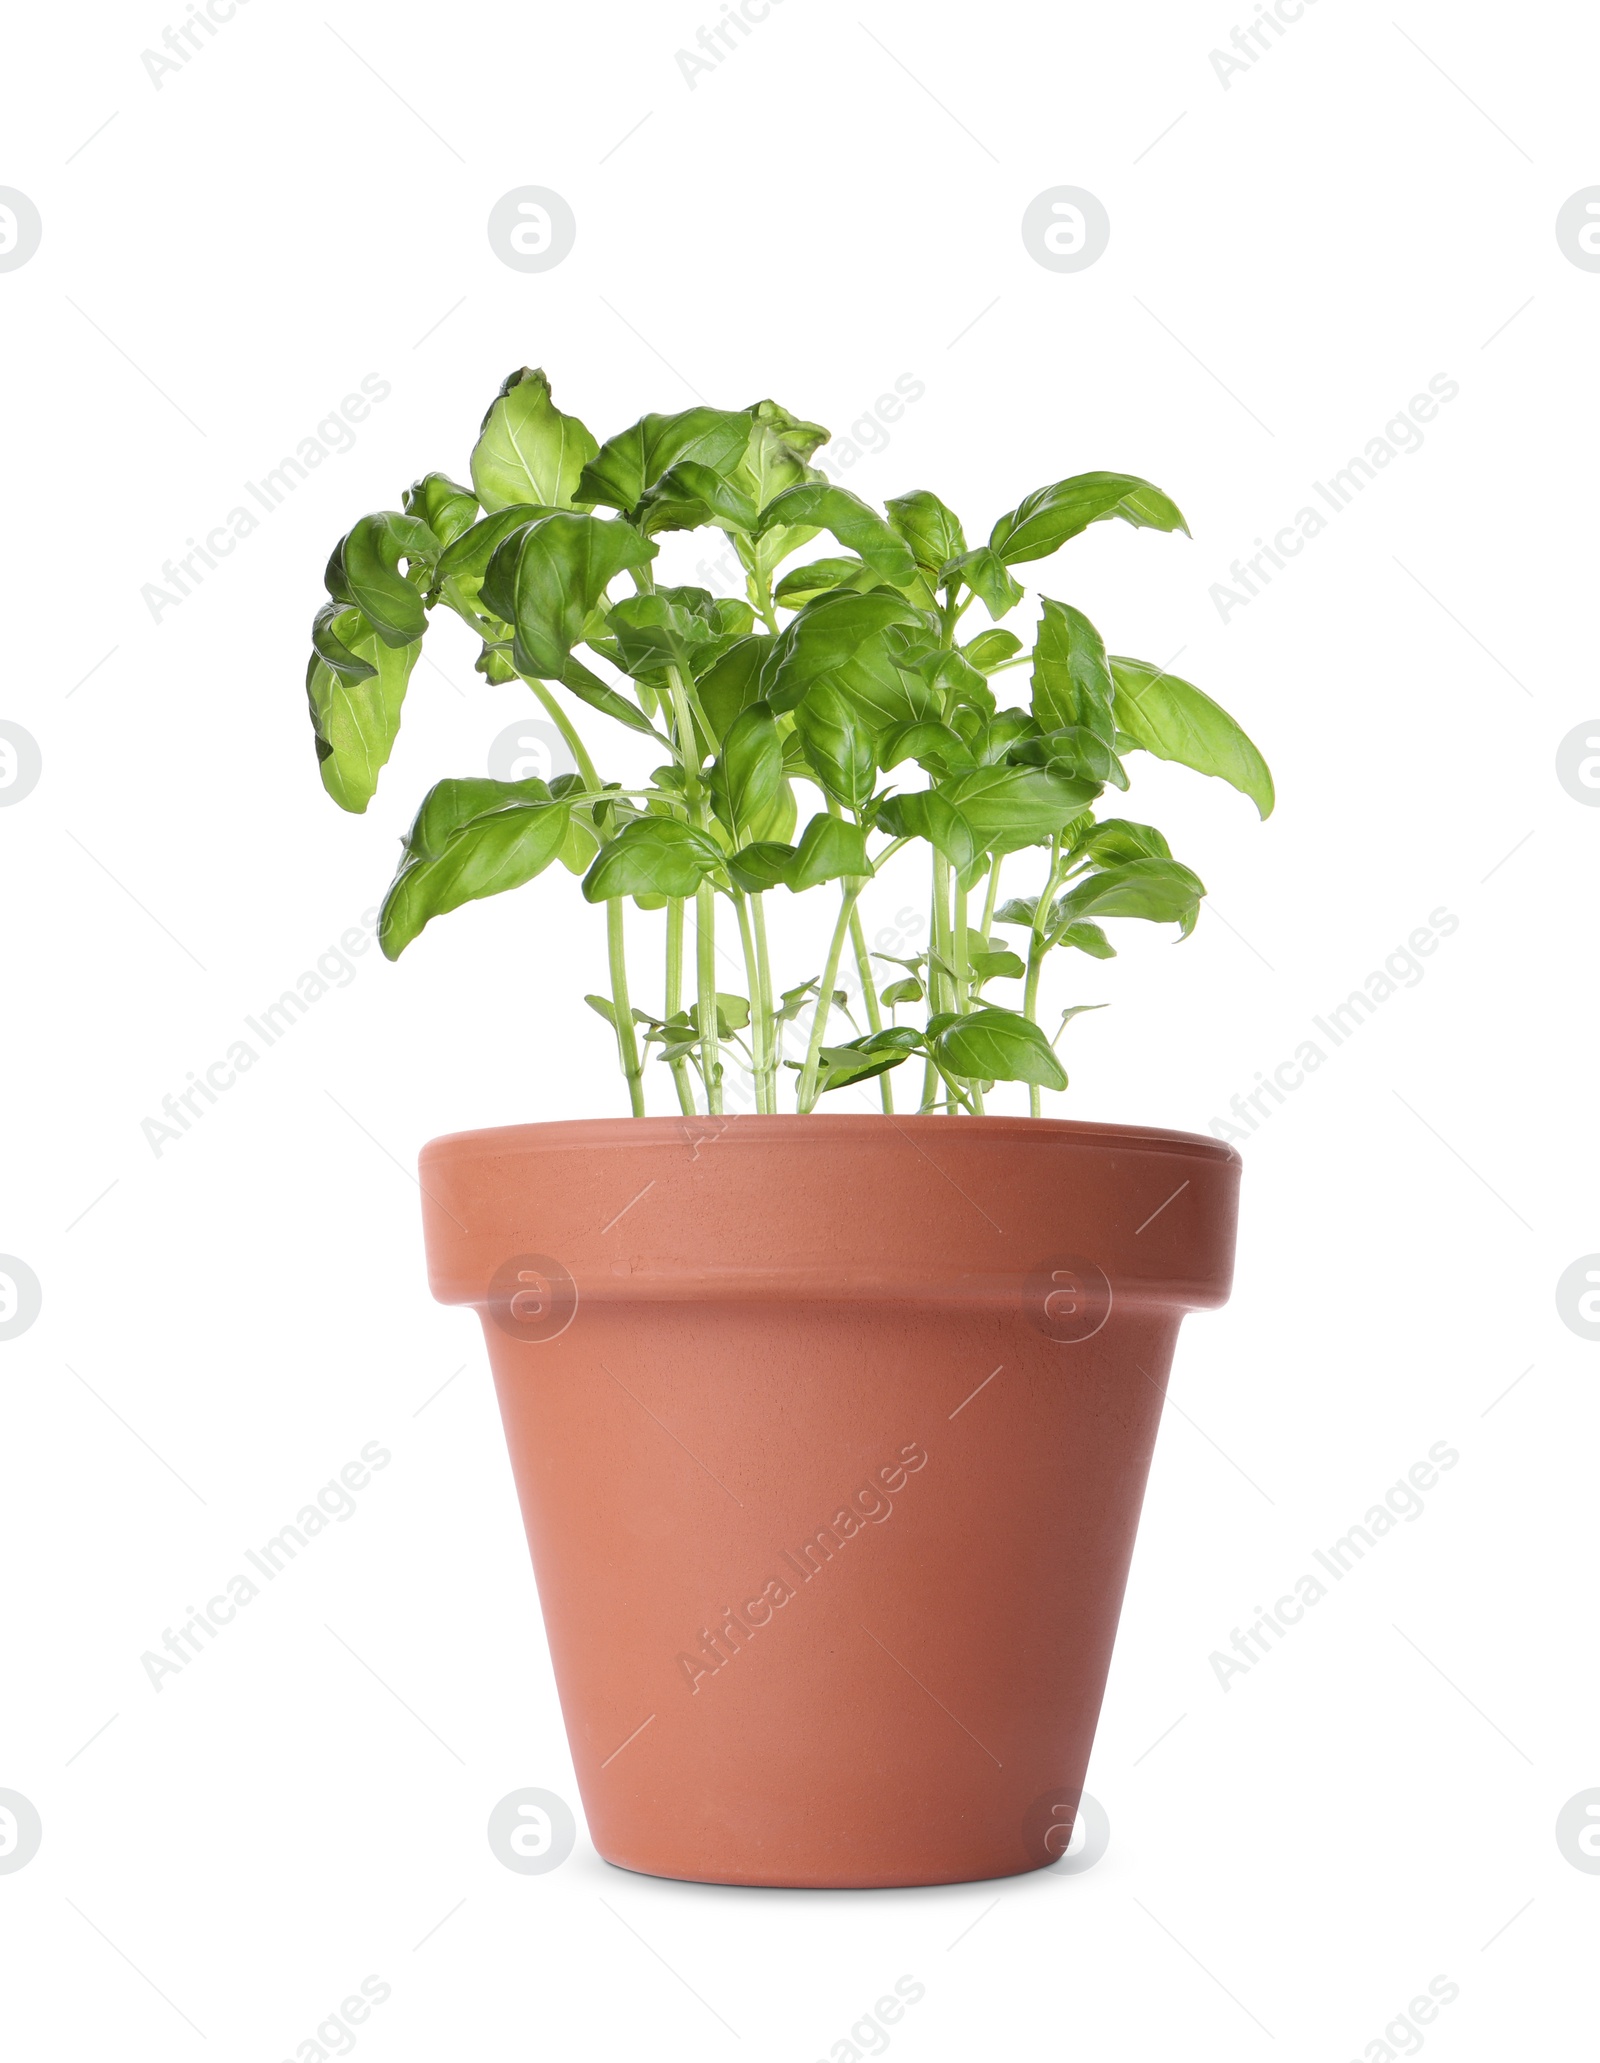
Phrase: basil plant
x=810 y=729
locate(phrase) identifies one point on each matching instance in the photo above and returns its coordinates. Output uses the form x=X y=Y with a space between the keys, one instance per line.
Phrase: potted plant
x=830 y=1425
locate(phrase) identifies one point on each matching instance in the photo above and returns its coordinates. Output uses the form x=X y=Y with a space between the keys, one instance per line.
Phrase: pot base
x=830 y=1882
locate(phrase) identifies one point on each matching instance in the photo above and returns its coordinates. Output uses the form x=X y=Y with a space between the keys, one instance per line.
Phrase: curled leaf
x=470 y=839
x=1044 y=521
x=364 y=573
x=860 y=529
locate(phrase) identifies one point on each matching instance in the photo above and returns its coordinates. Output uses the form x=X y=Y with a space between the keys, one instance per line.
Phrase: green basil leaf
x=821 y=505
x=1071 y=679
x=885 y=693
x=580 y=845
x=1174 y=720
x=688 y=496
x=1074 y=752
x=355 y=715
x=618 y=475
x=733 y=682
x=483 y=854
x=1088 y=938
x=655 y=631
x=931 y=814
x=934 y=746
x=1009 y=807
x=449 y=806
x=1115 y=839
x=995 y=965
x=608 y=812
x=862 y=1059
x=527 y=450
x=331 y=627
x=748 y=772
x=588 y=687
x=1160 y=891
x=1044 y=521
x=733 y=1013
x=985 y=573
x=784 y=432
x=447 y=508
x=677 y=1036
x=766 y=864
x=908 y=991
x=993 y=1045
x=940 y=667
x=823 y=577
x=838 y=746
x=822 y=638
x=680 y=1034
x=992 y=648
x=775 y=457
x=547 y=579
x=494 y=663
x=829 y=850
x=465 y=561
x=932 y=531
x=364 y=573
x=651 y=856
x=775 y=824
x=732 y=616
x=698 y=602
x=793 y=1001
x=1003 y=737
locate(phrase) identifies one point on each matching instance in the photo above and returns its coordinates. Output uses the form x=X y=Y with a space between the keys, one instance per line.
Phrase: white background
x=1370 y=204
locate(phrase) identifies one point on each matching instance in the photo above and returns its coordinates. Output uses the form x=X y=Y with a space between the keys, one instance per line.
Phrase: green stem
x=703 y=730
x=763 y=1001
x=963 y=960
x=705 y=919
x=627 y=1040
x=960 y=952
x=627 y=1043
x=858 y=945
x=991 y=895
x=930 y=1074
x=955 y=1093
x=1030 y=987
x=674 y=999
x=939 y=995
x=869 y=998
x=938 y=945
x=757 y=581
x=1038 y=946
x=830 y=974
x=758 y=1029
x=563 y=723
x=686 y=745
x=941 y=927
x=687 y=742
x=760 y=591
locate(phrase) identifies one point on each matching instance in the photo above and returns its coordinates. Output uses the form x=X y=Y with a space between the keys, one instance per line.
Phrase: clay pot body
x=830 y=1435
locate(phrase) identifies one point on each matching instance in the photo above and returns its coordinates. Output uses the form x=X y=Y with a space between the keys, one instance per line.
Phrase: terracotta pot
x=830 y=1435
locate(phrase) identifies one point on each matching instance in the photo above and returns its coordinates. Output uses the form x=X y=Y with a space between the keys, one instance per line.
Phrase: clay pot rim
x=500 y=1182
x=750 y=1129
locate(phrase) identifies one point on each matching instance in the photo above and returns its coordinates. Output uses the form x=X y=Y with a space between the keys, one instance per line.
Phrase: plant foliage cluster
x=852 y=678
